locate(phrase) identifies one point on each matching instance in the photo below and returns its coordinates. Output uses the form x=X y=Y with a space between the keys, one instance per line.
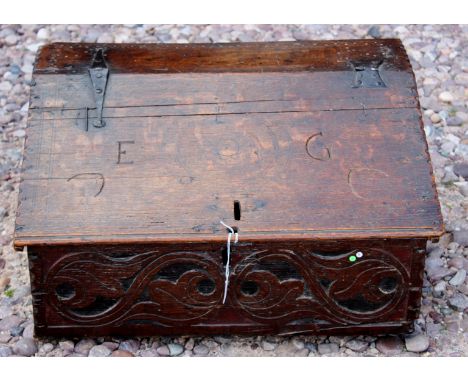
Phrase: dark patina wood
x=314 y=151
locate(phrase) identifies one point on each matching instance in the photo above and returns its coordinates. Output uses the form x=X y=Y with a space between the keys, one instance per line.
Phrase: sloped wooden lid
x=312 y=140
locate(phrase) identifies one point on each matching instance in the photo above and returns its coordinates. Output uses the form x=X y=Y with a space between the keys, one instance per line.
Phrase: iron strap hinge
x=99 y=73
x=367 y=75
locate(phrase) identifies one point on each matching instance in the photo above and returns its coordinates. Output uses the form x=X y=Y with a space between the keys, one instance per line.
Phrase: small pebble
x=190 y=344
x=268 y=346
x=47 y=348
x=25 y=347
x=175 y=349
x=459 y=278
x=131 y=346
x=417 y=344
x=391 y=345
x=28 y=331
x=121 y=353
x=16 y=331
x=99 y=351
x=163 y=351
x=67 y=346
x=201 y=350
x=84 y=346
x=357 y=345
x=446 y=97
x=328 y=348
x=5 y=351
x=435 y=118
x=10 y=322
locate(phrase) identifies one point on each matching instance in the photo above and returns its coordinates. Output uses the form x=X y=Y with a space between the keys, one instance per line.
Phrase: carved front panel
x=270 y=289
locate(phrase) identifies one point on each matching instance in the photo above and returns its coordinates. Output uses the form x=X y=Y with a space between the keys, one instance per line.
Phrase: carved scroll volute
x=283 y=286
x=273 y=287
x=171 y=289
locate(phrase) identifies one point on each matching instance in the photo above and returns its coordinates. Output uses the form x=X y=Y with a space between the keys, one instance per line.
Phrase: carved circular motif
x=235 y=151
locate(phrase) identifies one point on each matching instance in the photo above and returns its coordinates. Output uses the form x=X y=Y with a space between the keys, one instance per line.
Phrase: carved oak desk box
x=312 y=152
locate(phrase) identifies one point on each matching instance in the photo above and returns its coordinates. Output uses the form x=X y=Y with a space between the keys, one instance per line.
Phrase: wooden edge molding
x=76 y=58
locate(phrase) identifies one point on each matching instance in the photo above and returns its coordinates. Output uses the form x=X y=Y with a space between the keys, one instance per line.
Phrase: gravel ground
x=439 y=55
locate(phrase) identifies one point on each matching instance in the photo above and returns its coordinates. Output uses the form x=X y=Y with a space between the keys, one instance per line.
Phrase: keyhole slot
x=237 y=210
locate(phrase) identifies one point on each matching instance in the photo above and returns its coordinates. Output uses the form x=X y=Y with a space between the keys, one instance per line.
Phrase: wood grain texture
x=314 y=151
x=231 y=57
x=306 y=153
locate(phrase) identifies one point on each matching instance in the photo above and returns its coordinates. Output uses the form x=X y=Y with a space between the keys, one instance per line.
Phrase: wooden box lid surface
x=303 y=140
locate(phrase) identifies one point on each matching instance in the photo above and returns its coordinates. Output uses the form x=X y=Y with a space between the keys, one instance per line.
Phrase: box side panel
x=334 y=287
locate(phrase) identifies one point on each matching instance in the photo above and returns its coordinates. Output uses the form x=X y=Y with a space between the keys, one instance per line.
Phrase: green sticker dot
x=352 y=258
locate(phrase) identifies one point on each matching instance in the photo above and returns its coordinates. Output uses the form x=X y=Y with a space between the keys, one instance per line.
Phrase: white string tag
x=228 y=251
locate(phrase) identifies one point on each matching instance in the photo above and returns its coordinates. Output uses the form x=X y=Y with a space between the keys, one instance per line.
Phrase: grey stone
x=357 y=345
x=110 y=345
x=47 y=348
x=149 y=353
x=268 y=346
x=311 y=346
x=201 y=350
x=328 y=348
x=25 y=347
x=457 y=262
x=417 y=344
x=105 y=38
x=439 y=288
x=458 y=302
x=461 y=169
x=67 y=346
x=175 y=349
x=5 y=311
x=463 y=188
x=5 y=86
x=16 y=331
x=131 y=346
x=5 y=351
x=190 y=344
x=298 y=344
x=454 y=121
x=84 y=346
x=99 y=351
x=390 y=345
x=20 y=133
x=462 y=79
x=374 y=31
x=301 y=353
x=28 y=331
x=43 y=34
x=5 y=336
x=12 y=39
x=435 y=118
x=433 y=262
x=461 y=237
x=121 y=353
x=446 y=97
x=10 y=322
x=449 y=175
x=163 y=351
x=437 y=273
x=459 y=278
